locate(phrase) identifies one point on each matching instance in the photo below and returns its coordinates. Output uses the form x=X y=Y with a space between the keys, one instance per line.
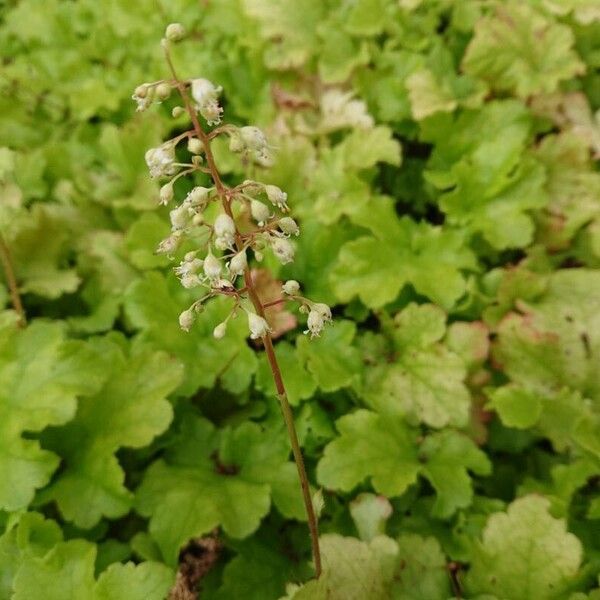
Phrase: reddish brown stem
x=286 y=409
x=11 y=281
x=274 y=302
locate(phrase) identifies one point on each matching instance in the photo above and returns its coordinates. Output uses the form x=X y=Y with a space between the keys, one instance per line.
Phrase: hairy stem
x=11 y=280
x=286 y=409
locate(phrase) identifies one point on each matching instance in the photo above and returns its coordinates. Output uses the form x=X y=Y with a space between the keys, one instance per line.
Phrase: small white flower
x=319 y=315
x=206 y=96
x=189 y=266
x=276 y=196
x=170 y=244
x=186 y=319
x=197 y=196
x=180 y=217
x=175 y=32
x=222 y=285
x=258 y=326
x=253 y=137
x=238 y=264
x=253 y=141
x=220 y=330
x=283 y=250
x=166 y=193
x=161 y=161
x=212 y=266
x=260 y=211
x=289 y=226
x=291 y=287
x=143 y=95
x=224 y=228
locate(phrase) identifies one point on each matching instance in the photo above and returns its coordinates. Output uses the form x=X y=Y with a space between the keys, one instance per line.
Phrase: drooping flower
x=289 y=226
x=282 y=249
x=212 y=266
x=260 y=212
x=186 y=319
x=170 y=244
x=319 y=315
x=291 y=287
x=224 y=228
x=161 y=161
x=277 y=197
x=206 y=95
x=257 y=325
x=238 y=264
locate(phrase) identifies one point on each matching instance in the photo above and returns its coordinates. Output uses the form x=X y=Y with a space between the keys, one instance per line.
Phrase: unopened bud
x=177 y=112
x=175 y=32
x=163 y=91
x=186 y=319
x=220 y=330
x=195 y=146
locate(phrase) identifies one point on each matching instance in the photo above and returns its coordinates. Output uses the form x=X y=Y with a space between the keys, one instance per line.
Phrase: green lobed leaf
x=524 y=552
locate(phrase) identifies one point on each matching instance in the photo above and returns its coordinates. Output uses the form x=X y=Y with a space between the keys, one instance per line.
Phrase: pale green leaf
x=524 y=553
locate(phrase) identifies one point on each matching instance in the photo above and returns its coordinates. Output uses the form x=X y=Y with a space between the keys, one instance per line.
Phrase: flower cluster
x=209 y=218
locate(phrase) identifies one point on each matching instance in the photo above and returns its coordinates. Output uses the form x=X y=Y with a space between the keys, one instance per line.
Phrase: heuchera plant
x=252 y=217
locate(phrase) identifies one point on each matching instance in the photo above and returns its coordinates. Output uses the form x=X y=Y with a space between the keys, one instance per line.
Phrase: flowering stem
x=11 y=280
x=286 y=409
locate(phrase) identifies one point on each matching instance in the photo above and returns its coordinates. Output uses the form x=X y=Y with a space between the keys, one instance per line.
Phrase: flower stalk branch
x=226 y=196
x=11 y=280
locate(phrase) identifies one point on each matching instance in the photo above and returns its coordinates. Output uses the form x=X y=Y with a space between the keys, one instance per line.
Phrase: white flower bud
x=198 y=219
x=177 y=112
x=258 y=255
x=260 y=211
x=189 y=256
x=186 y=319
x=166 y=193
x=238 y=264
x=161 y=161
x=212 y=266
x=163 y=91
x=175 y=32
x=170 y=244
x=180 y=217
x=291 y=287
x=205 y=94
x=276 y=196
x=224 y=227
x=195 y=146
x=258 y=326
x=220 y=330
x=283 y=250
x=317 y=317
x=289 y=226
